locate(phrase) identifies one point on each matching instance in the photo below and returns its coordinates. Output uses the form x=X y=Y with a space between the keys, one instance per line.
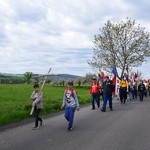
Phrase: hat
x=94 y=78
x=70 y=83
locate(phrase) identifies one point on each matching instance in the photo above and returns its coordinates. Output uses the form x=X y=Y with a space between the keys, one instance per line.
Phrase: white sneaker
x=35 y=128
x=69 y=129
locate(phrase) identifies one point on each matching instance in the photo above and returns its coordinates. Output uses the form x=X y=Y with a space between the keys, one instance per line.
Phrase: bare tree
x=120 y=45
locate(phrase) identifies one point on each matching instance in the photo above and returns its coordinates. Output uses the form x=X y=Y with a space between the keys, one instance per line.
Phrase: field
x=15 y=101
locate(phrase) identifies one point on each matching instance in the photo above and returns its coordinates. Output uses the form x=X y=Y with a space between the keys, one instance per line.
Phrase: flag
x=114 y=79
x=126 y=73
x=136 y=76
x=132 y=78
x=101 y=76
x=114 y=70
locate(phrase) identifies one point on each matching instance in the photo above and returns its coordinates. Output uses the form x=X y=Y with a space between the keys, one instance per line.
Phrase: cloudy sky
x=38 y=34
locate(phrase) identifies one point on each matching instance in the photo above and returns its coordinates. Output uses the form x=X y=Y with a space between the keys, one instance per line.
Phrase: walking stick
x=32 y=109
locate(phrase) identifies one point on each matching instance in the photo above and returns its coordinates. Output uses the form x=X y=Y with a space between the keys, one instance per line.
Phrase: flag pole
x=45 y=79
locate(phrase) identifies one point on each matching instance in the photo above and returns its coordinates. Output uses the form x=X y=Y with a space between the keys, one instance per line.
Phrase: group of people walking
x=126 y=90
x=105 y=90
x=70 y=102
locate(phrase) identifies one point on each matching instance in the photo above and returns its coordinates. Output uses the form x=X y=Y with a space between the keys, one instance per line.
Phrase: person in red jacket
x=95 y=93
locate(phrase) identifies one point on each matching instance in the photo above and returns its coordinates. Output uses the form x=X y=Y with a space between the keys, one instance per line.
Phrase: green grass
x=15 y=103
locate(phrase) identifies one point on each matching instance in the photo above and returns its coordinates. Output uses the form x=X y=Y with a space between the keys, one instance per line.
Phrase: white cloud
x=36 y=35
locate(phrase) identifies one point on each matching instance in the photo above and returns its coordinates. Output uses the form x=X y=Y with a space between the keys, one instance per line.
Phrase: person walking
x=118 y=89
x=141 y=90
x=71 y=103
x=95 y=93
x=107 y=87
x=146 y=87
x=149 y=87
x=37 y=104
x=130 y=91
x=123 y=90
x=134 y=91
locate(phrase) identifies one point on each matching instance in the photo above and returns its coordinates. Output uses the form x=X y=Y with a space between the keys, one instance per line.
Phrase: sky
x=41 y=34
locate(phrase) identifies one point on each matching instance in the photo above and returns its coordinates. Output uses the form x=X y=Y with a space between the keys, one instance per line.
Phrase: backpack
x=72 y=92
x=68 y=95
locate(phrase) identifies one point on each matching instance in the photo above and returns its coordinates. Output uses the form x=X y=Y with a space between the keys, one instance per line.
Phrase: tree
x=87 y=79
x=120 y=45
x=27 y=76
x=79 y=83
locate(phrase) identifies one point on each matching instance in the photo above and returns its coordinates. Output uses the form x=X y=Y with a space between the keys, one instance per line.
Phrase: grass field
x=15 y=103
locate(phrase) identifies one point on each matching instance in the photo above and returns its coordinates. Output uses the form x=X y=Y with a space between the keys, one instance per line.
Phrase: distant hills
x=52 y=76
x=64 y=77
x=9 y=75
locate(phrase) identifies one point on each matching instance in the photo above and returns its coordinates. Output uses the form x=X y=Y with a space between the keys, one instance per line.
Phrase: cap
x=94 y=78
x=70 y=83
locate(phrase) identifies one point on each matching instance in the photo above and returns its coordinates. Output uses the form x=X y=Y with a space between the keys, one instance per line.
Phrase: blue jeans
x=105 y=98
x=130 y=96
x=95 y=97
x=69 y=115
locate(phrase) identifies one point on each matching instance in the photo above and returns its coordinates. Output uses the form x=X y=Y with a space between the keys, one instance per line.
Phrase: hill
x=64 y=77
x=52 y=76
x=10 y=75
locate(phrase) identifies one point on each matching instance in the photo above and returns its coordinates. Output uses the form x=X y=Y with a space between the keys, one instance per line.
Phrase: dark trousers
x=141 y=95
x=36 y=115
x=69 y=115
x=149 y=92
x=95 y=97
x=145 y=93
x=123 y=95
x=134 y=94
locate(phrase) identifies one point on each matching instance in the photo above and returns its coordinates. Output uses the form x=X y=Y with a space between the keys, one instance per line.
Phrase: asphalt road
x=125 y=128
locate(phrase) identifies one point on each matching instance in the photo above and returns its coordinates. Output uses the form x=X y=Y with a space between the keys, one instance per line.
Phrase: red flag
x=102 y=75
x=114 y=79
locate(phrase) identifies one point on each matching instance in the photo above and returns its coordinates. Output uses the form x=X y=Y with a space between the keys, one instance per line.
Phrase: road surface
x=125 y=128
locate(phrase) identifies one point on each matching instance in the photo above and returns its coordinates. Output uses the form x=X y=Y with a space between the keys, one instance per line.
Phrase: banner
x=114 y=79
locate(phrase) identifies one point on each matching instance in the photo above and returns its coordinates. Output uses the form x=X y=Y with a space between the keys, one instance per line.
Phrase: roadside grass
x=15 y=101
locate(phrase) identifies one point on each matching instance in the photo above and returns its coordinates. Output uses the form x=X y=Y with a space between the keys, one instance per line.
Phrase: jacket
x=141 y=88
x=95 y=88
x=123 y=83
x=108 y=87
x=37 y=101
x=69 y=99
